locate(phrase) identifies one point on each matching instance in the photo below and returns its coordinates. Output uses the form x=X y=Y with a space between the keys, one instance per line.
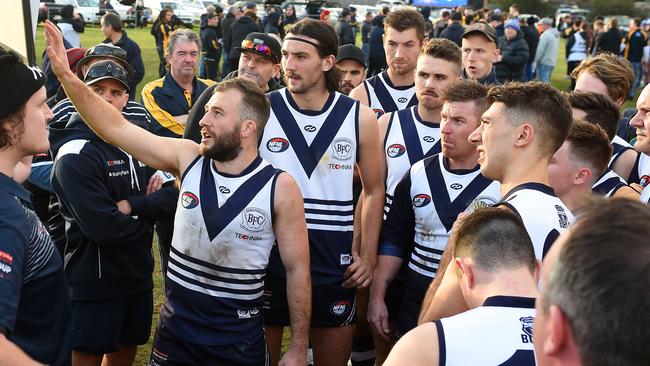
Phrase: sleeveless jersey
x=543 y=214
x=384 y=97
x=408 y=140
x=223 y=233
x=641 y=171
x=500 y=332
x=619 y=146
x=319 y=150
x=645 y=196
x=608 y=183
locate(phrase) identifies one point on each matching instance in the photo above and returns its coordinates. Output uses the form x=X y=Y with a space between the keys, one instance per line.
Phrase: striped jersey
x=319 y=150
x=384 y=97
x=608 y=183
x=223 y=234
x=619 y=146
x=641 y=172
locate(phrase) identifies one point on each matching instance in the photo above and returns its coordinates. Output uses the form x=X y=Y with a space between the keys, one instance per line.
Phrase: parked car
x=50 y=9
x=179 y=10
x=623 y=22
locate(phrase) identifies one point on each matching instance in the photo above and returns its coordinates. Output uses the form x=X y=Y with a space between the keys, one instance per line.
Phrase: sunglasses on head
x=259 y=47
x=98 y=71
x=107 y=51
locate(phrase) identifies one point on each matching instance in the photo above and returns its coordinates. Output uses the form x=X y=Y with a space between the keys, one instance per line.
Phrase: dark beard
x=225 y=148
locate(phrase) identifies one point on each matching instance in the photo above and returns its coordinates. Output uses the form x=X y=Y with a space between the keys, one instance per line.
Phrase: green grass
x=143 y=38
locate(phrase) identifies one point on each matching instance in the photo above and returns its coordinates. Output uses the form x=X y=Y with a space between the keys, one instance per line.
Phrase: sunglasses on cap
x=258 y=47
x=102 y=50
x=113 y=70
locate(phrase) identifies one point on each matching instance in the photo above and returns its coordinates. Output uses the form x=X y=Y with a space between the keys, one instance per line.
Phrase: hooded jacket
x=514 y=55
x=107 y=253
x=238 y=32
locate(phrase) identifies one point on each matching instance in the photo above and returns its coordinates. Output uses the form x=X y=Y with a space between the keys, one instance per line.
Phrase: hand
x=56 y=50
x=124 y=207
x=155 y=183
x=378 y=317
x=359 y=273
x=294 y=357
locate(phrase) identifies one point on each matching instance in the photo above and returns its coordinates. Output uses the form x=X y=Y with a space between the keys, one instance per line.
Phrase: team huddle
x=426 y=215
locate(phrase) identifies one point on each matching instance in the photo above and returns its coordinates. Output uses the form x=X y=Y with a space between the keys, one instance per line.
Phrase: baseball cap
x=546 y=21
x=262 y=44
x=484 y=29
x=512 y=23
x=74 y=56
x=105 y=50
x=107 y=69
x=250 y=5
x=18 y=82
x=351 y=52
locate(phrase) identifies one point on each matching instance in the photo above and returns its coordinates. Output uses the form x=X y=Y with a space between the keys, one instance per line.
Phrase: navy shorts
x=169 y=350
x=393 y=298
x=97 y=327
x=331 y=305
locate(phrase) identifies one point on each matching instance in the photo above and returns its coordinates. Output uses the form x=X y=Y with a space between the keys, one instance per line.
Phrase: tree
x=612 y=7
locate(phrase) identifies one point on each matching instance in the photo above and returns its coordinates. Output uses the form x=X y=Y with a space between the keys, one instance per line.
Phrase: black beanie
x=66 y=11
x=17 y=83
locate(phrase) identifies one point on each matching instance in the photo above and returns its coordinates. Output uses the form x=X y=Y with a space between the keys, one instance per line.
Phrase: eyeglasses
x=98 y=71
x=258 y=47
x=102 y=50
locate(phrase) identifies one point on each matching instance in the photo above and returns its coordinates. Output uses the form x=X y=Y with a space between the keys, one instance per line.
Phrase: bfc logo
x=395 y=150
x=402 y=100
x=277 y=145
x=342 y=149
x=527 y=327
x=189 y=200
x=253 y=219
x=481 y=202
x=340 y=307
x=562 y=217
x=421 y=200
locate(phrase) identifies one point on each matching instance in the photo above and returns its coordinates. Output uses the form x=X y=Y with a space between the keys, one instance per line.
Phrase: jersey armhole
x=625 y=149
x=442 y=351
x=356 y=127
x=189 y=167
x=390 y=125
x=365 y=85
x=275 y=179
x=511 y=207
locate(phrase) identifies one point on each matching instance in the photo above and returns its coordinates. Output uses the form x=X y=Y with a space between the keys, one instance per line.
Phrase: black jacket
x=238 y=32
x=376 y=53
x=210 y=42
x=344 y=31
x=514 y=55
x=531 y=36
x=609 y=41
x=134 y=58
x=454 y=32
x=225 y=24
x=107 y=254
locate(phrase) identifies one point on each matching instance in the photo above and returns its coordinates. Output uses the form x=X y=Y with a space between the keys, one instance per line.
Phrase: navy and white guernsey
x=223 y=234
x=543 y=214
x=319 y=150
x=641 y=172
x=608 y=183
x=645 y=196
x=409 y=139
x=619 y=146
x=500 y=332
x=384 y=97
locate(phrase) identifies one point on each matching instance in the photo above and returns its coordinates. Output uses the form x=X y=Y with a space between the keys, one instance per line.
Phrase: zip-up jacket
x=134 y=58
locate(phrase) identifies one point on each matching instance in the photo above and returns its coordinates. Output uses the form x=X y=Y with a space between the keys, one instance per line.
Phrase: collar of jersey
x=510 y=302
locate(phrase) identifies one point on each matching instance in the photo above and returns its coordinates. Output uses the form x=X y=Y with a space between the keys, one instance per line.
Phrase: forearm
x=13 y=355
x=371 y=214
x=385 y=271
x=425 y=312
x=299 y=300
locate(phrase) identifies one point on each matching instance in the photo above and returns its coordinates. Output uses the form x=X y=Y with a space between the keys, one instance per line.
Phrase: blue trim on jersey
x=534 y=186
x=617 y=151
x=389 y=82
x=252 y=166
x=421 y=120
x=217 y=218
x=309 y=112
x=328 y=202
x=329 y=222
x=385 y=99
x=189 y=167
x=216 y=267
x=275 y=179
x=510 y=302
x=448 y=210
x=317 y=211
x=356 y=128
x=310 y=155
x=390 y=249
x=521 y=357
x=612 y=184
x=550 y=239
x=412 y=139
x=442 y=350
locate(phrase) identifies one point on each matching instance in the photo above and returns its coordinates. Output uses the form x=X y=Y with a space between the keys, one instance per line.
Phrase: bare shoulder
x=286 y=189
x=417 y=347
x=359 y=93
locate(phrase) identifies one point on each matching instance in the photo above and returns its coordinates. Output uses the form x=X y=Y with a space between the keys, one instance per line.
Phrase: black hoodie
x=107 y=254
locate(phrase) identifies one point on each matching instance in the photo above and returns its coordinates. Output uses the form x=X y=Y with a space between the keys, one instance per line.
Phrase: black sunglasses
x=98 y=71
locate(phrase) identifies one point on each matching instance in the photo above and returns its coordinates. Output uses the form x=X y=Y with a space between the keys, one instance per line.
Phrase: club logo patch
x=277 y=145
x=378 y=112
x=402 y=100
x=421 y=200
x=428 y=139
x=481 y=202
x=643 y=182
x=340 y=307
x=456 y=186
x=342 y=149
x=224 y=189
x=189 y=200
x=562 y=217
x=395 y=150
x=527 y=327
x=253 y=219
x=346 y=259
x=310 y=128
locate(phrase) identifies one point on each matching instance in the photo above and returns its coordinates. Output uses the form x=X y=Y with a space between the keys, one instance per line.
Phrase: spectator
x=351 y=64
x=210 y=9
x=366 y=26
x=161 y=28
x=635 y=41
x=514 y=53
x=376 y=53
x=211 y=46
x=441 y=24
x=646 y=53
x=577 y=47
x=599 y=30
x=273 y=19
x=112 y=28
x=610 y=41
x=480 y=52
x=513 y=11
x=566 y=26
x=454 y=32
x=52 y=84
x=531 y=36
x=496 y=21
x=426 y=13
x=71 y=25
x=244 y=25
x=288 y=18
x=343 y=29
x=547 y=49
x=353 y=22
x=234 y=12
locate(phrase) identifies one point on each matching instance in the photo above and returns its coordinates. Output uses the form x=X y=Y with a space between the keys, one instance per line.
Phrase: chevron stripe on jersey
x=408 y=140
x=223 y=234
x=619 y=146
x=384 y=97
x=438 y=195
x=608 y=183
x=543 y=214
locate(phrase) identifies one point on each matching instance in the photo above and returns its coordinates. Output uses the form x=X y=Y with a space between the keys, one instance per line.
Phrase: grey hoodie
x=549 y=44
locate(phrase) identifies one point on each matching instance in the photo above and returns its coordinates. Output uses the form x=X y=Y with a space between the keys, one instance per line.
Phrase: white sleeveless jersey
x=223 y=234
x=543 y=214
x=645 y=196
x=500 y=332
x=408 y=140
x=319 y=150
x=384 y=97
x=641 y=171
x=438 y=195
x=608 y=183
x=619 y=146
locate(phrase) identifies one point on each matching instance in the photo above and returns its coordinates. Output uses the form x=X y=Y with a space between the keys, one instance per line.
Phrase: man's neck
x=527 y=168
x=312 y=100
x=184 y=82
x=115 y=37
x=8 y=160
x=237 y=165
x=577 y=197
x=429 y=115
x=463 y=163
x=401 y=80
x=518 y=282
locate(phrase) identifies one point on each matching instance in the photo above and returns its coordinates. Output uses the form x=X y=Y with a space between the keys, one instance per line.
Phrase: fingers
x=357 y=275
x=155 y=183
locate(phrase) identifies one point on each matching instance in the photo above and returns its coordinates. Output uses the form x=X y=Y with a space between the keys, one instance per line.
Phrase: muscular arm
x=624 y=164
x=108 y=122
x=359 y=93
x=627 y=192
x=13 y=355
x=417 y=347
x=291 y=234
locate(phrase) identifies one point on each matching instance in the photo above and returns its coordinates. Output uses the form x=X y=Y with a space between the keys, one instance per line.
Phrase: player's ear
x=248 y=128
x=583 y=176
x=328 y=63
x=559 y=331
x=525 y=134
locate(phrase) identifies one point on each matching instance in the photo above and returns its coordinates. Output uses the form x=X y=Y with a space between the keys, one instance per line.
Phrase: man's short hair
x=599 y=109
x=15 y=127
x=444 y=49
x=601 y=282
x=590 y=144
x=468 y=91
x=181 y=35
x=615 y=72
x=254 y=103
x=542 y=105
x=403 y=19
x=456 y=16
x=113 y=20
x=495 y=239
